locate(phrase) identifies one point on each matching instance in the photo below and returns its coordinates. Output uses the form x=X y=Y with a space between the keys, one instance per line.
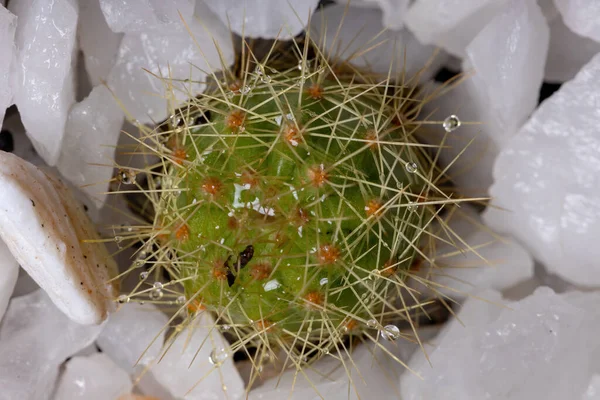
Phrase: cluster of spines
x=385 y=297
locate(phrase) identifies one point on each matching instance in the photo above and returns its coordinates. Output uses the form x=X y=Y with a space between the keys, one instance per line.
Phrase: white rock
x=91 y=136
x=95 y=377
x=99 y=44
x=35 y=338
x=359 y=36
x=136 y=16
x=134 y=332
x=508 y=60
x=45 y=40
x=593 y=390
x=568 y=52
x=49 y=234
x=539 y=348
x=9 y=272
x=480 y=258
x=451 y=24
x=581 y=16
x=264 y=18
x=394 y=11
x=172 y=55
x=546 y=181
x=178 y=374
x=8 y=24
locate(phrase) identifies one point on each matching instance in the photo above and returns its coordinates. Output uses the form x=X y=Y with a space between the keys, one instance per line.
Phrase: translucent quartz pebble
x=451 y=24
x=99 y=55
x=265 y=18
x=95 y=377
x=46 y=42
x=544 y=330
x=35 y=338
x=91 y=136
x=581 y=16
x=8 y=24
x=545 y=181
x=9 y=272
x=178 y=374
x=482 y=258
x=177 y=66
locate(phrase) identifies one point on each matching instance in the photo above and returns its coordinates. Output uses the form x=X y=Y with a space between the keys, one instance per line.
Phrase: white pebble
x=267 y=19
x=98 y=42
x=49 y=234
x=91 y=136
x=451 y=24
x=46 y=43
x=581 y=16
x=9 y=272
x=538 y=348
x=137 y=16
x=545 y=181
x=95 y=377
x=8 y=24
x=35 y=338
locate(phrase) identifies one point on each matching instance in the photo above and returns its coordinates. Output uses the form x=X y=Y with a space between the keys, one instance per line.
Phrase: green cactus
x=292 y=201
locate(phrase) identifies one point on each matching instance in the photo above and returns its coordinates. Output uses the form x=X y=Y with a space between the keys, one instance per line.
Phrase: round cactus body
x=295 y=201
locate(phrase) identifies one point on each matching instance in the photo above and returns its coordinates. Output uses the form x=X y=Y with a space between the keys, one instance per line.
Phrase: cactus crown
x=293 y=201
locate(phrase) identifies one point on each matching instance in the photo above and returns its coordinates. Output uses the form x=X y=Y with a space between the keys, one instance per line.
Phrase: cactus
x=292 y=200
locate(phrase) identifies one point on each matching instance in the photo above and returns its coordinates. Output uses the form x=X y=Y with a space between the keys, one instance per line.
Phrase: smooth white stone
x=46 y=43
x=581 y=16
x=451 y=24
x=508 y=58
x=349 y=34
x=9 y=272
x=480 y=259
x=177 y=373
x=98 y=42
x=264 y=18
x=35 y=338
x=95 y=377
x=568 y=52
x=546 y=181
x=8 y=24
x=171 y=56
x=539 y=348
x=50 y=236
x=91 y=136
x=137 y=16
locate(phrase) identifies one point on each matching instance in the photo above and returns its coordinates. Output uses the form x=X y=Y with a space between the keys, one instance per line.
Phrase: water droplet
x=126 y=176
x=323 y=281
x=300 y=65
x=411 y=167
x=371 y=323
x=143 y=275
x=175 y=120
x=225 y=327
x=246 y=89
x=451 y=123
x=158 y=285
x=230 y=94
x=412 y=207
x=257 y=70
x=118 y=239
x=180 y=300
x=390 y=332
x=156 y=294
x=123 y=299
x=265 y=79
x=218 y=356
